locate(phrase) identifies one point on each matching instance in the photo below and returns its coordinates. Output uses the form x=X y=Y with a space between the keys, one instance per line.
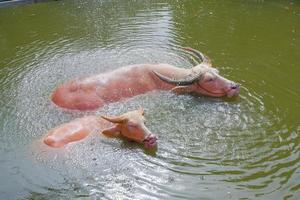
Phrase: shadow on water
x=208 y=148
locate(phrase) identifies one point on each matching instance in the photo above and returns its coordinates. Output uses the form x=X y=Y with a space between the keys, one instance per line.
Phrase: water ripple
x=208 y=148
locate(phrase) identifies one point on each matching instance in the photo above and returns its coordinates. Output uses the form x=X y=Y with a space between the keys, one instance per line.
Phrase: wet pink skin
x=96 y=91
x=129 y=125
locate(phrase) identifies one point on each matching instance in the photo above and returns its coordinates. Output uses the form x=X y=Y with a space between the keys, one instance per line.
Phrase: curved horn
x=200 y=55
x=115 y=119
x=183 y=82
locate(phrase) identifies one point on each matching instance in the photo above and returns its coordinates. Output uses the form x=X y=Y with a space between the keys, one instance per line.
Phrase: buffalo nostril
x=235 y=86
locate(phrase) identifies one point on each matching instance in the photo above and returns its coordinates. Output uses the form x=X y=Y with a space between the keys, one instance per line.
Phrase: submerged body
x=129 y=125
x=73 y=131
x=95 y=91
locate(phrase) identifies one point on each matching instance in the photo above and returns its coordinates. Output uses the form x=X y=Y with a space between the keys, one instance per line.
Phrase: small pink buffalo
x=95 y=91
x=129 y=125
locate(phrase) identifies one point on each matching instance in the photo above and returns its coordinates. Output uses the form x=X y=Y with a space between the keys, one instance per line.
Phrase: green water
x=246 y=148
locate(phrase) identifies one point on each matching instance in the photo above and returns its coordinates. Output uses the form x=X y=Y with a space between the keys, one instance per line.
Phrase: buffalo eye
x=132 y=125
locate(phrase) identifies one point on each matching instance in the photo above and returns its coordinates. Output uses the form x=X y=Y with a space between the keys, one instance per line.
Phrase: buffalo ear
x=183 y=89
x=115 y=119
x=111 y=132
x=141 y=110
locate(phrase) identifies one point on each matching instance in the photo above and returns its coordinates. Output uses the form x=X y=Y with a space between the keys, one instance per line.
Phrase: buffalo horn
x=115 y=119
x=188 y=81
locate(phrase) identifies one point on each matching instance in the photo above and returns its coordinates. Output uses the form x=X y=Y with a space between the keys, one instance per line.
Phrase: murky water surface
x=246 y=148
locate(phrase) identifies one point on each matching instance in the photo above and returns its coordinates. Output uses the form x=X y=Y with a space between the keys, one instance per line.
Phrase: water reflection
x=208 y=148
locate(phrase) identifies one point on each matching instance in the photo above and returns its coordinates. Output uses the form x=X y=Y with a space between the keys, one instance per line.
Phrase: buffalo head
x=131 y=126
x=202 y=79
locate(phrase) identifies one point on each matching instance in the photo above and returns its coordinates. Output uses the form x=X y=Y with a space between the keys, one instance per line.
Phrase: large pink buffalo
x=95 y=91
x=129 y=125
